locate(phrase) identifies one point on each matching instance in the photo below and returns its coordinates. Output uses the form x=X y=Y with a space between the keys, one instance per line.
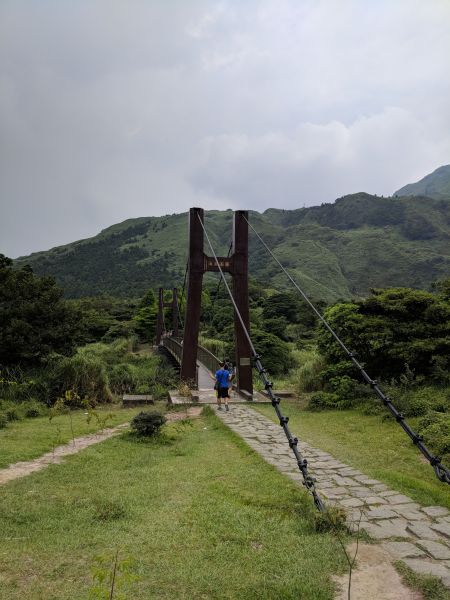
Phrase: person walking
x=222 y=378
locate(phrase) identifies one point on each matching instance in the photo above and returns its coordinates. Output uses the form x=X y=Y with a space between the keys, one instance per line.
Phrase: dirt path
x=22 y=469
x=374 y=577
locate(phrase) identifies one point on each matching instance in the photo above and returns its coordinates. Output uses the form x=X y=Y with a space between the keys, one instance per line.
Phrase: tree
x=35 y=321
x=145 y=317
x=390 y=329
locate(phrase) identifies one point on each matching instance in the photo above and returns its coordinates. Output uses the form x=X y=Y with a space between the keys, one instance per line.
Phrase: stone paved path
x=417 y=535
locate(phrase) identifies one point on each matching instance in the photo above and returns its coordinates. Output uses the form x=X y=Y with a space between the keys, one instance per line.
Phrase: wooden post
x=240 y=293
x=194 y=296
x=160 y=318
x=175 y=312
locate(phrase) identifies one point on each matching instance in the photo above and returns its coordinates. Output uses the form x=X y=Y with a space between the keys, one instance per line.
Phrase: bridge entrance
x=237 y=265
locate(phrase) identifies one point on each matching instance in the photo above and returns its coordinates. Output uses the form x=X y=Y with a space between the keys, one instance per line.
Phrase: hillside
x=435 y=185
x=335 y=250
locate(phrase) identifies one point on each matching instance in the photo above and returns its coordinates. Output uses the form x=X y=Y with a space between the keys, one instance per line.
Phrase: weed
x=112 y=578
x=108 y=510
x=184 y=390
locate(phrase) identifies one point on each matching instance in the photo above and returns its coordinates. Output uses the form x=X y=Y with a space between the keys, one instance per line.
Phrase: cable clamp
x=284 y=421
x=293 y=442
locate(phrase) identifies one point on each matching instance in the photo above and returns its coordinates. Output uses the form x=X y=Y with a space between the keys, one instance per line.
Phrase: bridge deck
x=204 y=380
x=207 y=395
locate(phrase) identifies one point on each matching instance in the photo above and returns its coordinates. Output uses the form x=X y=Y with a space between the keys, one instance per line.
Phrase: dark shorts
x=223 y=392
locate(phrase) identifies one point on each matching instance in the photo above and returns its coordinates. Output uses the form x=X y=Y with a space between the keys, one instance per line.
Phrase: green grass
x=379 y=448
x=202 y=517
x=429 y=587
x=30 y=438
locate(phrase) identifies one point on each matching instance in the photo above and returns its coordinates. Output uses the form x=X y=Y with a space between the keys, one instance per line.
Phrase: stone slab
x=435 y=549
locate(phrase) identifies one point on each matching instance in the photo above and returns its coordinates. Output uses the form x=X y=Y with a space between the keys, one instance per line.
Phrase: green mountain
x=435 y=185
x=335 y=251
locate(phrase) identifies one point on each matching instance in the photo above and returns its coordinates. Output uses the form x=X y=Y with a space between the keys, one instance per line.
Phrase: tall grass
x=217 y=347
x=306 y=377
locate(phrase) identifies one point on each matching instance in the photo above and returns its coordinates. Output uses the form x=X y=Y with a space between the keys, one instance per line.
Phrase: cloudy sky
x=117 y=109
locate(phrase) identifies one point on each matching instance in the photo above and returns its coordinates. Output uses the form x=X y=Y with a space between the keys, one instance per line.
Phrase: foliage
x=435 y=429
x=334 y=251
x=147 y=424
x=326 y=401
x=276 y=354
x=390 y=329
x=333 y=519
x=34 y=319
x=145 y=317
x=85 y=376
x=105 y=318
x=113 y=577
x=307 y=376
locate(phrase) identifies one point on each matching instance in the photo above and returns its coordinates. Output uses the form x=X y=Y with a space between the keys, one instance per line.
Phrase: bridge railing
x=208 y=359
x=174 y=346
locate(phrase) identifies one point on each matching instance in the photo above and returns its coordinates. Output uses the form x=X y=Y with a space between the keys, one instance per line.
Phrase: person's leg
x=226 y=398
x=219 y=399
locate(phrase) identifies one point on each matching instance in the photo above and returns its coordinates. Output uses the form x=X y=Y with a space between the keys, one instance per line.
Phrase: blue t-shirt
x=222 y=377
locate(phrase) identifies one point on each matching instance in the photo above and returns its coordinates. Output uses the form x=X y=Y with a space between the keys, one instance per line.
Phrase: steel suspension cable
x=441 y=471
x=308 y=480
x=218 y=286
x=180 y=303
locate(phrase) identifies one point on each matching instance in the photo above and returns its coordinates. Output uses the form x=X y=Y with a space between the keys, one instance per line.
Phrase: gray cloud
x=111 y=110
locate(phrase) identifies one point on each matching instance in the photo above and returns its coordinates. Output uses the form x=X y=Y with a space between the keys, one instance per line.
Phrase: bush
x=324 y=401
x=121 y=378
x=34 y=410
x=416 y=402
x=147 y=424
x=307 y=376
x=435 y=429
x=276 y=354
x=12 y=414
x=85 y=376
x=3 y=421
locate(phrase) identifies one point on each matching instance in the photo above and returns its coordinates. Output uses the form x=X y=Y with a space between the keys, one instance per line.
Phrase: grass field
x=198 y=514
x=379 y=448
x=27 y=439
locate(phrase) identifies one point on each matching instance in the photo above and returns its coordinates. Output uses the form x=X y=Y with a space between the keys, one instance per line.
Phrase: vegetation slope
x=435 y=185
x=336 y=251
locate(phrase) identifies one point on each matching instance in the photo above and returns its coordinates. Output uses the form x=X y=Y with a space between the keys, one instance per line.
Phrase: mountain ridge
x=434 y=185
x=334 y=250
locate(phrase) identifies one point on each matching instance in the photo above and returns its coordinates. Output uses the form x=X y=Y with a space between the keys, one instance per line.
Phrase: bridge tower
x=160 y=322
x=237 y=265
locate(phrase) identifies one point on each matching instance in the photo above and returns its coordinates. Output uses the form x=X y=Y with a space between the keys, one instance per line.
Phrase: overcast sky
x=111 y=110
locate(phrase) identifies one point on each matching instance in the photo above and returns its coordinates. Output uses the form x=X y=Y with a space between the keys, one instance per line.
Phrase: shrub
x=147 y=424
x=307 y=376
x=435 y=429
x=323 y=401
x=12 y=414
x=416 y=402
x=85 y=376
x=121 y=378
x=3 y=421
x=34 y=410
x=333 y=519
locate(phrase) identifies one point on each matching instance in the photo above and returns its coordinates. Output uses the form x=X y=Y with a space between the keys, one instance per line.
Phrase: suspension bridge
x=196 y=363
x=420 y=536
